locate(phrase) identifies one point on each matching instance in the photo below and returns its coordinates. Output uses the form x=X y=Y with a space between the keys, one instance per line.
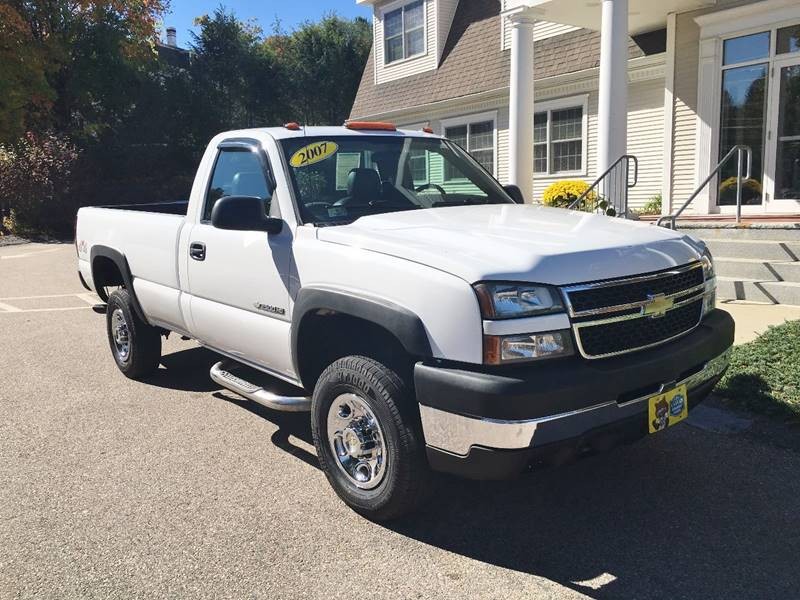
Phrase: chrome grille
x=624 y=315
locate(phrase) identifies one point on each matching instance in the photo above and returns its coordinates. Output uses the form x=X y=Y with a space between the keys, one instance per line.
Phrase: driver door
x=238 y=279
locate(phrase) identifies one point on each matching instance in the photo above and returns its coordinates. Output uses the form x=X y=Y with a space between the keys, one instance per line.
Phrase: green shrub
x=35 y=178
x=652 y=207
x=764 y=375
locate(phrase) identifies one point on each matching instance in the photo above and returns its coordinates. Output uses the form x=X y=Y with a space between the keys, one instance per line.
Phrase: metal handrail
x=741 y=151
x=628 y=158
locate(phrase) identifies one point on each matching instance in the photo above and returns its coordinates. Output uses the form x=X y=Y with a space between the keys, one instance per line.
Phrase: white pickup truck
x=427 y=319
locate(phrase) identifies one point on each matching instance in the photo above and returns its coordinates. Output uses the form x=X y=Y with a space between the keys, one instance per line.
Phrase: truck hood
x=518 y=243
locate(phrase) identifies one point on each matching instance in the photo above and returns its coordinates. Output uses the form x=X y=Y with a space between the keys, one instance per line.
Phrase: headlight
x=499 y=349
x=708 y=264
x=512 y=300
x=710 y=276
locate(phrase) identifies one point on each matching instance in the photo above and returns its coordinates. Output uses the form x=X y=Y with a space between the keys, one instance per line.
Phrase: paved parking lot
x=172 y=488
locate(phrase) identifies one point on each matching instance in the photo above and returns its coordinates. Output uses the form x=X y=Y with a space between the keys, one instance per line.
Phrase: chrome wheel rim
x=356 y=439
x=120 y=335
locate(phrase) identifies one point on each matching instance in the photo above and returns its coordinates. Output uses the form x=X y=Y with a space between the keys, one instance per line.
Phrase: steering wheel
x=438 y=188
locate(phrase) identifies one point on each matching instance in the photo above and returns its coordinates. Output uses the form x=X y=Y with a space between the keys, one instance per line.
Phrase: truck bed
x=145 y=234
x=178 y=207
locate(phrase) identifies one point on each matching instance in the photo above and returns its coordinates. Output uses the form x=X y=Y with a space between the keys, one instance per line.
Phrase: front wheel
x=367 y=438
x=135 y=345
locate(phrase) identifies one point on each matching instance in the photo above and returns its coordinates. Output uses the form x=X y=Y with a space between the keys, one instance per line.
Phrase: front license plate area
x=667 y=408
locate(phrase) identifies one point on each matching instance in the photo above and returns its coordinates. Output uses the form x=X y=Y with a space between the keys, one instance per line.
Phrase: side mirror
x=515 y=193
x=243 y=213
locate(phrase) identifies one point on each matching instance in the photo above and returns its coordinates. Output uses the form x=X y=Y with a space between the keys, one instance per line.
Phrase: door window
x=237 y=172
x=743 y=113
x=787 y=172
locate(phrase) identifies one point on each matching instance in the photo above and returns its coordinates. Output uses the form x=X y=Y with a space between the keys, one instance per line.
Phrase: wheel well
x=326 y=336
x=105 y=272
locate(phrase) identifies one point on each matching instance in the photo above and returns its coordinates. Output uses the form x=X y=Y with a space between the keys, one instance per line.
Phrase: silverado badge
x=275 y=310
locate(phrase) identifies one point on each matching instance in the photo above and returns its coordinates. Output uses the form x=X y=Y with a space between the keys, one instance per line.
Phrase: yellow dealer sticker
x=313 y=153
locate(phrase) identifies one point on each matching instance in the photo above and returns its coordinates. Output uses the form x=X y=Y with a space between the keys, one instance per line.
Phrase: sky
x=290 y=12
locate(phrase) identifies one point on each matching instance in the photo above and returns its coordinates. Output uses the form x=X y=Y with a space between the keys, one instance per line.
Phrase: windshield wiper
x=464 y=202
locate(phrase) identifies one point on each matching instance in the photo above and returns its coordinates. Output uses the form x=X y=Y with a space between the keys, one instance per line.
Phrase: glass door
x=743 y=117
x=785 y=137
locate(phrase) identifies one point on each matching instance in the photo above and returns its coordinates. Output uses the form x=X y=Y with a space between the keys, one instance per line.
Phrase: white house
x=544 y=90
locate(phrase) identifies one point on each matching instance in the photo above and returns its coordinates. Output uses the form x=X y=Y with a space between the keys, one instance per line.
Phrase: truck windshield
x=341 y=178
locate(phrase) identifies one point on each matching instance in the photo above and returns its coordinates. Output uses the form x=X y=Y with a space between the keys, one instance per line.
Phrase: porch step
x=766 y=250
x=772 y=232
x=758 y=270
x=772 y=292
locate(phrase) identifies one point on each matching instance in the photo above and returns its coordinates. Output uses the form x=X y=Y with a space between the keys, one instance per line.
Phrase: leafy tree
x=24 y=90
x=232 y=75
x=83 y=91
x=90 y=52
x=322 y=64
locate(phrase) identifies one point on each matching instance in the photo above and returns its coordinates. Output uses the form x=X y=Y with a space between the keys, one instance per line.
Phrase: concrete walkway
x=753 y=318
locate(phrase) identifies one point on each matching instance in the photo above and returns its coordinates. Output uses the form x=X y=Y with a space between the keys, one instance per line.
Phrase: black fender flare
x=122 y=264
x=403 y=324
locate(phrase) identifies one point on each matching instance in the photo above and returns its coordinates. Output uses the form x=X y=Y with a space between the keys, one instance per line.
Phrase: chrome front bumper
x=457 y=434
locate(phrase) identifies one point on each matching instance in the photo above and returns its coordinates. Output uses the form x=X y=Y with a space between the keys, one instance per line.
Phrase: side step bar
x=251 y=391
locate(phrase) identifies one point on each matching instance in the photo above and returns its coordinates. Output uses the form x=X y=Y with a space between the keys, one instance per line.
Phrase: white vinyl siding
x=412 y=65
x=646 y=138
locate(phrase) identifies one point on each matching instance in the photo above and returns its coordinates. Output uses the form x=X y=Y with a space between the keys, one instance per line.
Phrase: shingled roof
x=472 y=62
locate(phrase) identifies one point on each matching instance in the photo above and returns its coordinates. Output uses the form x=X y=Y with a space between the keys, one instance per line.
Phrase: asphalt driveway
x=173 y=488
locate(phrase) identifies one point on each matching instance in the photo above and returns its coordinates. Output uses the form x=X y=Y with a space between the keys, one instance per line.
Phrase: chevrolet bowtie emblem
x=657 y=305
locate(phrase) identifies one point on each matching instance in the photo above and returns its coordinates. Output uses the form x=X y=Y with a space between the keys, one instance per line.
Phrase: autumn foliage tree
x=82 y=79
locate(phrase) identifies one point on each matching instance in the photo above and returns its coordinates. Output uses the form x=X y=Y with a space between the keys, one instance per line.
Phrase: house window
x=559 y=138
x=418 y=165
x=789 y=39
x=404 y=32
x=477 y=138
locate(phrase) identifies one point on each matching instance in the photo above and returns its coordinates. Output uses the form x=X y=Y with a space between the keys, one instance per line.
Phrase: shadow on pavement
x=288 y=424
x=186 y=370
x=684 y=514
x=676 y=516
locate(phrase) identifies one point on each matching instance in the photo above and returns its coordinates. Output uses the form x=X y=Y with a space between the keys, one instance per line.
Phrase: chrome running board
x=221 y=374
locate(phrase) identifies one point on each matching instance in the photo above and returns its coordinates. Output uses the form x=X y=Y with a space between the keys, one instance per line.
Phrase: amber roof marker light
x=370 y=125
x=292 y=126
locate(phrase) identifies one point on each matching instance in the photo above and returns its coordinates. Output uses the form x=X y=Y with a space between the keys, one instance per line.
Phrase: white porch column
x=612 y=111
x=520 y=128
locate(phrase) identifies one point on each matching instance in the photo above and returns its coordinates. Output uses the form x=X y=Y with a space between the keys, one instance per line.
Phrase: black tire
x=406 y=480
x=144 y=341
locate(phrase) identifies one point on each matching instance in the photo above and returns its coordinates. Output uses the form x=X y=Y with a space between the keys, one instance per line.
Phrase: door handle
x=197 y=250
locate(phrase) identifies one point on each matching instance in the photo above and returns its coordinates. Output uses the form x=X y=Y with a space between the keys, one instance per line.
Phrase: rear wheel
x=135 y=345
x=367 y=438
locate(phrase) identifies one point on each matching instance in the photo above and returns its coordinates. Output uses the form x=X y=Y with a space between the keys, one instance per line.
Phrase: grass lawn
x=764 y=375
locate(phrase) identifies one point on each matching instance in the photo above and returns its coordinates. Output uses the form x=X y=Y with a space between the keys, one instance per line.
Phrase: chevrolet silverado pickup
x=424 y=316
